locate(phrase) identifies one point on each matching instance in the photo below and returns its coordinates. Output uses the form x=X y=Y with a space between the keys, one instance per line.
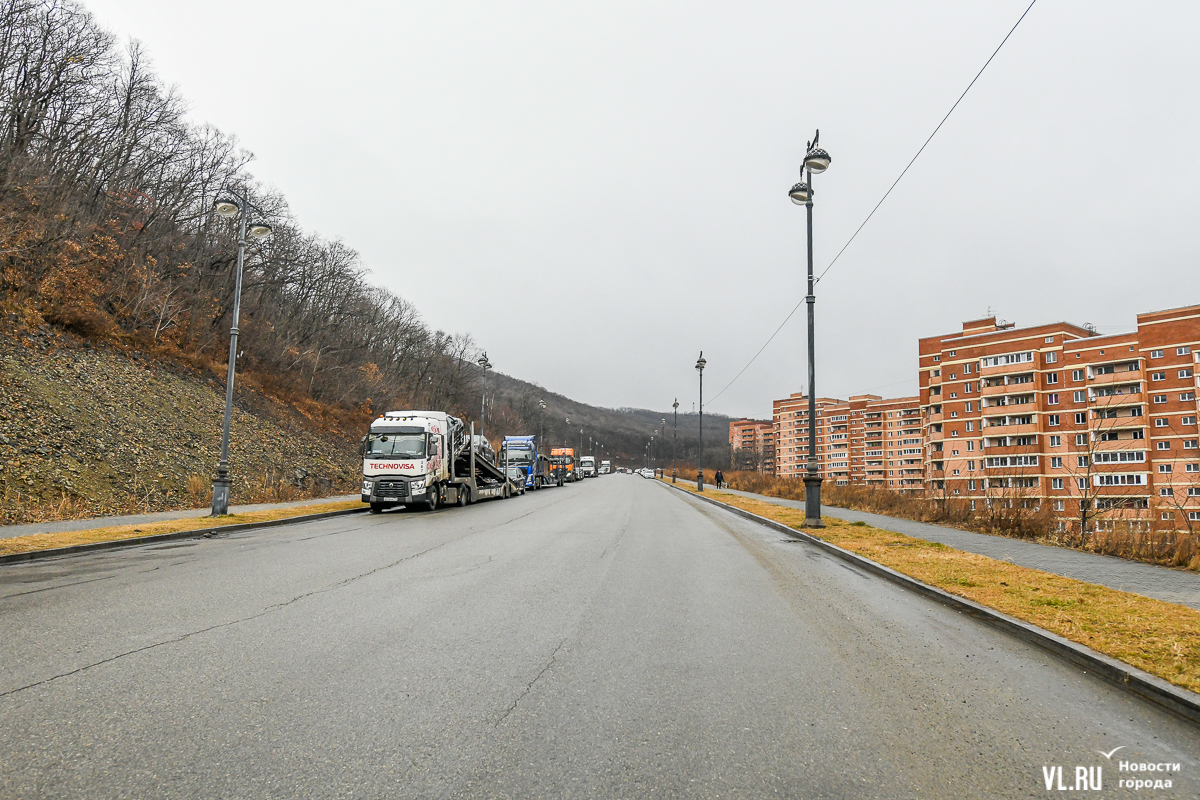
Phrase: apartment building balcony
x=1121 y=376
x=1116 y=445
x=930 y=418
x=1010 y=426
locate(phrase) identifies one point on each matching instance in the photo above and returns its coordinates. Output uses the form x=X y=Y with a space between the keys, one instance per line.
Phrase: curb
x=198 y=533
x=1155 y=690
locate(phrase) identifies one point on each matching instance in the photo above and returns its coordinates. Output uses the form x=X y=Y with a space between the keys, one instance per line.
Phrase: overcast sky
x=596 y=192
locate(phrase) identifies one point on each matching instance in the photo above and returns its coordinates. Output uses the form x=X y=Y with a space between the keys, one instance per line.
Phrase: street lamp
x=700 y=362
x=653 y=462
x=484 y=365
x=229 y=208
x=816 y=161
x=541 y=422
x=675 y=440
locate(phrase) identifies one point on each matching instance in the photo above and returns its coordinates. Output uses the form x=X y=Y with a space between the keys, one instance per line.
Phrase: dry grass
x=1158 y=637
x=45 y=541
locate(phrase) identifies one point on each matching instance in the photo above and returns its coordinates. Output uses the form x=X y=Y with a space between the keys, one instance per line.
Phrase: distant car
x=645 y=472
x=517 y=476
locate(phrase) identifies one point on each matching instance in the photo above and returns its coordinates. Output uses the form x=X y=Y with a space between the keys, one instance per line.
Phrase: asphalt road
x=610 y=639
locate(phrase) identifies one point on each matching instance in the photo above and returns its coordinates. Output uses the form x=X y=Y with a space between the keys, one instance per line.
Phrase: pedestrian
x=720 y=479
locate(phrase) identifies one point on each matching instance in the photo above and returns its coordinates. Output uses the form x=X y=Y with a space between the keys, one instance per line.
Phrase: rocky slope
x=89 y=430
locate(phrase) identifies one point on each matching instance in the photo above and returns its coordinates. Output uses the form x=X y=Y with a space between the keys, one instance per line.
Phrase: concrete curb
x=1177 y=700
x=198 y=533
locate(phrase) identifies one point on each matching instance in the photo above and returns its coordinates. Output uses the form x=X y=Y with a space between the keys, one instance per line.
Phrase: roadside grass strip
x=1155 y=636
x=47 y=541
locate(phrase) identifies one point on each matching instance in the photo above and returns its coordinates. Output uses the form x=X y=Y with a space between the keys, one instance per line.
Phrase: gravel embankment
x=92 y=430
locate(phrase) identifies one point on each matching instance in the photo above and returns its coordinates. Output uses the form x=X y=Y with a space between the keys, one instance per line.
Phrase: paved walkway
x=9 y=531
x=1161 y=583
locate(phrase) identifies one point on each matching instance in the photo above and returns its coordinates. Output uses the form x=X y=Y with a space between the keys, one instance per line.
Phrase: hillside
x=88 y=429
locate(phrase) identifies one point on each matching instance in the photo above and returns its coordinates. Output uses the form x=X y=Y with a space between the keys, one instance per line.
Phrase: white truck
x=425 y=459
x=605 y=467
x=587 y=466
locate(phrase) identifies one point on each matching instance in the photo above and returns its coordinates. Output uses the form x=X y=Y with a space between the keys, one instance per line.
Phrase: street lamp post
x=675 y=441
x=484 y=365
x=541 y=422
x=816 y=161
x=653 y=461
x=700 y=362
x=229 y=208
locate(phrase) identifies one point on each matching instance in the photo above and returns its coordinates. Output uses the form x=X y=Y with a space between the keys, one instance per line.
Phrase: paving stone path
x=1162 y=583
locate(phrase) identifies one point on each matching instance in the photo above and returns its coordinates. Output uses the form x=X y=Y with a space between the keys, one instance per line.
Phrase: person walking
x=720 y=479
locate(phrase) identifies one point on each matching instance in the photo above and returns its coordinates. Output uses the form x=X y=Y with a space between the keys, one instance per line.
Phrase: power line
x=877 y=205
x=927 y=141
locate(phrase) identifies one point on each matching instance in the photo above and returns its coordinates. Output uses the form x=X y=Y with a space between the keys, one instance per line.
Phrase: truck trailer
x=424 y=459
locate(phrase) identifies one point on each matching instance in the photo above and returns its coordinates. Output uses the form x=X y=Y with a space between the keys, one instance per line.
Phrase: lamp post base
x=700 y=481
x=220 y=503
x=812 y=502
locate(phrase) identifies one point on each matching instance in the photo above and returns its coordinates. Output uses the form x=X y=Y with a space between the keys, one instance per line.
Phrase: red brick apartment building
x=752 y=445
x=1059 y=414
x=864 y=440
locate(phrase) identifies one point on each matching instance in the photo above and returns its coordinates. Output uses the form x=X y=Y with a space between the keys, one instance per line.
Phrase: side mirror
x=362 y=447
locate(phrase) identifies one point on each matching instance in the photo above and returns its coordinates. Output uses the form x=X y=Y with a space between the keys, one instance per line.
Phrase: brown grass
x=1158 y=637
x=45 y=541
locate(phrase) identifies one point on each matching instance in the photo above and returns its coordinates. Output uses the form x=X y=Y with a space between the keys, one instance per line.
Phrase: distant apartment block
x=752 y=445
x=1059 y=414
x=864 y=440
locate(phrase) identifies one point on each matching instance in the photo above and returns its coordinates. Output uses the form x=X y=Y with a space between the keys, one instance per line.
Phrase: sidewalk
x=9 y=531
x=1148 y=580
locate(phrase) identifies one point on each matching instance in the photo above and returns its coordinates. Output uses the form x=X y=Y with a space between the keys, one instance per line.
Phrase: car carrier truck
x=425 y=459
x=521 y=452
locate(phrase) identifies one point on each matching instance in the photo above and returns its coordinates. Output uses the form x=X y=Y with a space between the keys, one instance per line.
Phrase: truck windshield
x=405 y=445
x=519 y=455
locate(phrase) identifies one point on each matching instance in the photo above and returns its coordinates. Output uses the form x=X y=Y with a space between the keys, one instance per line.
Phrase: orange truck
x=567 y=462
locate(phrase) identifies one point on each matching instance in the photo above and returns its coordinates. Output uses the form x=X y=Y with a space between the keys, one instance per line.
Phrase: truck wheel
x=376 y=508
x=537 y=484
x=431 y=499
x=463 y=497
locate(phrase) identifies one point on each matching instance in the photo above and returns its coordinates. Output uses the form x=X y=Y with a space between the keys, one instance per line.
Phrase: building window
x=1049 y=340
x=1156 y=353
x=970 y=426
x=971 y=468
x=1081 y=483
x=1186 y=396
x=953 y=452
x=1161 y=422
x=954 y=472
x=953 y=353
x=1056 y=483
x=1158 y=376
x=1080 y=439
x=1165 y=515
x=1077 y=374
x=1164 y=467
x=1052 y=398
x=1166 y=492
x=1052 y=377
x=1056 y=441
x=1162 y=446
x=937 y=373
x=1182 y=351
x=937 y=358
x=1160 y=398
x=1051 y=358
x=1080 y=417
x=1052 y=420
x=1192 y=468
x=1056 y=462
x=1078 y=397
x=953 y=415
x=1138 y=434
x=1185 y=373
x=966 y=369
x=1060 y=505
x=1189 y=444
x=953 y=395
x=970 y=445
x=970 y=407
x=1194 y=515
x=1081 y=461
x=1188 y=421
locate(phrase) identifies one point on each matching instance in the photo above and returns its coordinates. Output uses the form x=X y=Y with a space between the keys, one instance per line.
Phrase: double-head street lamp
x=484 y=365
x=228 y=207
x=816 y=161
x=700 y=362
x=674 y=439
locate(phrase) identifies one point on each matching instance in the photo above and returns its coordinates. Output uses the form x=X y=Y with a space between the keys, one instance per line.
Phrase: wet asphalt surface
x=610 y=639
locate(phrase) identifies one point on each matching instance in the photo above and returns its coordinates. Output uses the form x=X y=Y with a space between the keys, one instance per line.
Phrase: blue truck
x=521 y=452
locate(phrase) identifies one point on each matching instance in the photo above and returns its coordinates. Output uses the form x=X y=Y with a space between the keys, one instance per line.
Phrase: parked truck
x=587 y=466
x=567 y=465
x=605 y=467
x=522 y=452
x=425 y=459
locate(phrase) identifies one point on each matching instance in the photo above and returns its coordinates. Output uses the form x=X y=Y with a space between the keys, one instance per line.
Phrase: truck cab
x=587 y=466
x=566 y=463
x=521 y=452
